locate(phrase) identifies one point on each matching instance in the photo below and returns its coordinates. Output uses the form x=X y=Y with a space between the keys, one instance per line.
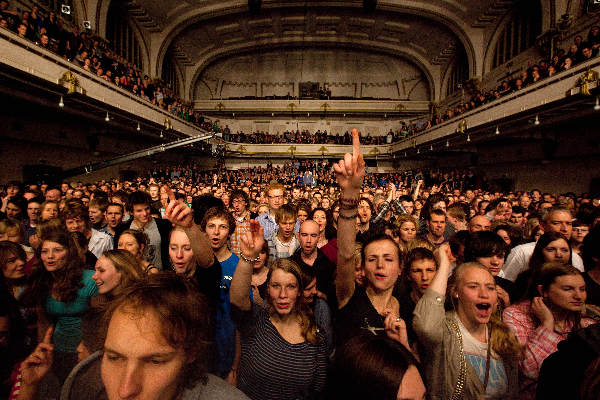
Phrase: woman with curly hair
x=61 y=289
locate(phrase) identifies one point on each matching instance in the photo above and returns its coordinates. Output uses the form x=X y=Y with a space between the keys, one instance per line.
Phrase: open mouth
x=483 y=306
x=380 y=276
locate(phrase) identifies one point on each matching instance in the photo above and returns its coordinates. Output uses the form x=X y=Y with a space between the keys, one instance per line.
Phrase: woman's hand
x=395 y=329
x=37 y=365
x=351 y=170
x=252 y=241
x=503 y=295
x=178 y=213
x=542 y=312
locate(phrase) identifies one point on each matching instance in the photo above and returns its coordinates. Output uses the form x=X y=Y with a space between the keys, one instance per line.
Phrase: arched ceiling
x=428 y=32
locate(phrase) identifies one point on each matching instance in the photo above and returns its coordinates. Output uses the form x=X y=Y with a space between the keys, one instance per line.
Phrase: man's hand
x=37 y=365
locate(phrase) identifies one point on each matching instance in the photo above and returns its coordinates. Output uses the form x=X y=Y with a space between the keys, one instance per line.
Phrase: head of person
x=12 y=260
x=365 y=210
x=309 y=283
x=134 y=241
x=48 y=210
x=436 y=223
x=408 y=204
x=156 y=343
x=181 y=253
x=219 y=224
x=16 y=207
x=436 y=201
x=472 y=290
x=303 y=211
x=240 y=201
x=275 y=194
x=114 y=215
x=375 y=367
x=116 y=269
x=75 y=217
x=53 y=194
x=580 y=231
x=139 y=207
x=322 y=217
x=285 y=217
x=488 y=249
x=11 y=230
x=517 y=216
x=479 y=223
x=381 y=261
x=558 y=220
x=33 y=209
x=551 y=247
x=560 y=285
x=97 y=209
x=154 y=191
x=421 y=268
x=407 y=225
x=309 y=237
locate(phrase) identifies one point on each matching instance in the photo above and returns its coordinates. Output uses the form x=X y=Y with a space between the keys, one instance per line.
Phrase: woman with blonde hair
x=284 y=327
x=115 y=270
x=467 y=352
x=407 y=227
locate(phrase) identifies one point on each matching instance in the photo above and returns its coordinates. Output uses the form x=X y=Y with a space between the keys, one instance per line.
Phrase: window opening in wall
x=520 y=33
x=169 y=73
x=459 y=72
x=121 y=36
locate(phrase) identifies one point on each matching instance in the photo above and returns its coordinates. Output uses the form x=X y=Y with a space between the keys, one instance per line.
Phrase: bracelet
x=348 y=204
x=249 y=260
x=348 y=217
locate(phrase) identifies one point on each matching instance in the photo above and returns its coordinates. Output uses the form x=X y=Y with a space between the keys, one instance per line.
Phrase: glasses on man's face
x=581 y=230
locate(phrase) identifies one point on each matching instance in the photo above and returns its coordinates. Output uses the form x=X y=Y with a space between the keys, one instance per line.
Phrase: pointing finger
x=355 y=143
x=169 y=193
x=48 y=335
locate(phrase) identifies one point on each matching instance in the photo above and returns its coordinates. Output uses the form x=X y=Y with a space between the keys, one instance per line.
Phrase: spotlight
x=597 y=106
x=468 y=138
x=497 y=130
x=61 y=103
x=65 y=9
x=138 y=127
x=87 y=25
x=107 y=118
x=537 y=120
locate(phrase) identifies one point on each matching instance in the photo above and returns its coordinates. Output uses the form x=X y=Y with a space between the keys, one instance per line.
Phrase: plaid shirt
x=539 y=343
x=242 y=225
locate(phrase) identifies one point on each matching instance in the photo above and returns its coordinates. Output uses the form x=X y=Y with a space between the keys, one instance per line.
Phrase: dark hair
x=75 y=209
x=201 y=204
x=369 y=367
x=484 y=244
x=428 y=206
x=379 y=237
x=537 y=258
x=181 y=311
x=417 y=254
x=590 y=252
x=139 y=197
x=330 y=231
x=218 y=212
x=439 y=213
x=116 y=205
x=20 y=202
x=239 y=194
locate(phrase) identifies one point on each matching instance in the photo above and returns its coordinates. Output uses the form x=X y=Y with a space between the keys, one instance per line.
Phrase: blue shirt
x=67 y=316
x=225 y=329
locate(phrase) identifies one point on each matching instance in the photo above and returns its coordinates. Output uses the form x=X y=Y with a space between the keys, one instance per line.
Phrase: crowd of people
x=307 y=281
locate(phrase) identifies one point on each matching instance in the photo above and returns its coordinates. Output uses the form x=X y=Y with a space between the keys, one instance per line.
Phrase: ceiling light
x=161 y=134
x=537 y=120
x=107 y=118
x=61 y=103
x=468 y=138
x=138 y=127
x=596 y=107
x=497 y=130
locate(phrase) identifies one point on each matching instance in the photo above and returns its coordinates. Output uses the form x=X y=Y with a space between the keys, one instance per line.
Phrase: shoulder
x=214 y=389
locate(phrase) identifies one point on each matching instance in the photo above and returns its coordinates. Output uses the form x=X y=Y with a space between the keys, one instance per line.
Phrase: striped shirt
x=271 y=368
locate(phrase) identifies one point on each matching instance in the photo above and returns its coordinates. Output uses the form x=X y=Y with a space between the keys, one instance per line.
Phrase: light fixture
x=447 y=143
x=497 y=130
x=418 y=151
x=344 y=115
x=61 y=103
x=537 y=120
x=161 y=134
x=468 y=138
x=384 y=115
x=272 y=114
x=107 y=118
x=233 y=115
x=308 y=114
x=138 y=127
x=404 y=154
x=431 y=148
x=596 y=107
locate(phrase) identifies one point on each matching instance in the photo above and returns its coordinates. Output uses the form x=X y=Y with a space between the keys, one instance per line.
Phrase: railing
x=303 y=150
x=28 y=57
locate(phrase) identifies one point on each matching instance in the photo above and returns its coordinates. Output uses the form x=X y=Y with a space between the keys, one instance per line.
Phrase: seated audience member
x=75 y=218
x=556 y=220
x=114 y=271
x=142 y=357
x=468 y=352
x=554 y=307
x=373 y=367
x=283 y=242
x=489 y=250
x=285 y=327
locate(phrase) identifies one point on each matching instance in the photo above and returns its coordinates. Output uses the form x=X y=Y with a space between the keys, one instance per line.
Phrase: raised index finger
x=169 y=193
x=355 y=144
x=48 y=335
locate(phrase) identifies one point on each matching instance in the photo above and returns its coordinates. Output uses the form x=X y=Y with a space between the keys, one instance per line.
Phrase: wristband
x=348 y=217
x=249 y=260
x=348 y=203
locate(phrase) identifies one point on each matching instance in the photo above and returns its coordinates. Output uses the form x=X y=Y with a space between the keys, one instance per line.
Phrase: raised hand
x=542 y=312
x=351 y=170
x=395 y=329
x=177 y=212
x=252 y=241
x=37 y=365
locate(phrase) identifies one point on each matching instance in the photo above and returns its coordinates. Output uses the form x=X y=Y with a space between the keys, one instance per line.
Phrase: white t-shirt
x=476 y=355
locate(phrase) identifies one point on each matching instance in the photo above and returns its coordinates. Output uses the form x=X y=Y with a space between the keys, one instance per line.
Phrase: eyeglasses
x=581 y=230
